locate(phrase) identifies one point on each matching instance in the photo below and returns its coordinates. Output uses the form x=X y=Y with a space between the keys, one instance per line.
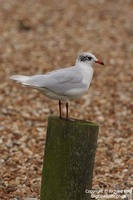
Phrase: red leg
x=60 y=109
x=67 y=106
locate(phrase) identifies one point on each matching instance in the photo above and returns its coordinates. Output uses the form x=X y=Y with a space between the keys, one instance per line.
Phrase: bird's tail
x=20 y=78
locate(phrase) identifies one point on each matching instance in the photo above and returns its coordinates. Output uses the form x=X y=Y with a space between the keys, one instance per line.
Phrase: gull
x=65 y=84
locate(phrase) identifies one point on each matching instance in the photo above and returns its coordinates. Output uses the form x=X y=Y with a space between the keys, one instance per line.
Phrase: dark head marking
x=85 y=58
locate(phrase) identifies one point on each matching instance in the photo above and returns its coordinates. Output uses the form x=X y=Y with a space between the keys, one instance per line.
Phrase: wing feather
x=59 y=81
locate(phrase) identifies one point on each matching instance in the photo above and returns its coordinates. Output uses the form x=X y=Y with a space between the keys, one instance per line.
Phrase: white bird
x=63 y=84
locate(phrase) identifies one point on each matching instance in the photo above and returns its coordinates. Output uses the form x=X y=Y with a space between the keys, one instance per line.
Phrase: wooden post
x=69 y=159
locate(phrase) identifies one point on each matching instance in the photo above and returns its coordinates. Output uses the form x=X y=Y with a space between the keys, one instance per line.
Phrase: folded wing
x=60 y=81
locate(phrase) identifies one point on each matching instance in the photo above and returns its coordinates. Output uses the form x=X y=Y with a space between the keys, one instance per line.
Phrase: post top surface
x=73 y=120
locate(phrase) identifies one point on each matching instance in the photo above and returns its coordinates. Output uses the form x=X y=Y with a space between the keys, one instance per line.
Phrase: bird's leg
x=67 y=106
x=60 y=109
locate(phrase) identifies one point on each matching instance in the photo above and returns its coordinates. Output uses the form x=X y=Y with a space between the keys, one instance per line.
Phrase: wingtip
x=12 y=77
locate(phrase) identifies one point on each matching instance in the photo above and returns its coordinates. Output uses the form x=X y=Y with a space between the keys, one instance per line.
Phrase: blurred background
x=37 y=36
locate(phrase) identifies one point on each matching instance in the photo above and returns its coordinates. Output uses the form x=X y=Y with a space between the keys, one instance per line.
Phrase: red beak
x=100 y=62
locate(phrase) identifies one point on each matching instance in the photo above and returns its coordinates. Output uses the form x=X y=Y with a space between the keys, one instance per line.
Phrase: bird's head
x=88 y=58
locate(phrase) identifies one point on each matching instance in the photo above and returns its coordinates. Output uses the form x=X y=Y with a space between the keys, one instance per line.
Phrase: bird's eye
x=85 y=58
x=89 y=58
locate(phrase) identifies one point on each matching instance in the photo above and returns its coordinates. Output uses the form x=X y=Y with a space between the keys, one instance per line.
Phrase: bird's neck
x=86 y=71
x=83 y=66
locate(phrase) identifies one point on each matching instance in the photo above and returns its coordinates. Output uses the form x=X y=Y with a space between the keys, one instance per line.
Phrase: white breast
x=87 y=73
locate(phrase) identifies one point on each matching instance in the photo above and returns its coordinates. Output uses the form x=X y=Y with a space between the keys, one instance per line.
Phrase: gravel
x=40 y=36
